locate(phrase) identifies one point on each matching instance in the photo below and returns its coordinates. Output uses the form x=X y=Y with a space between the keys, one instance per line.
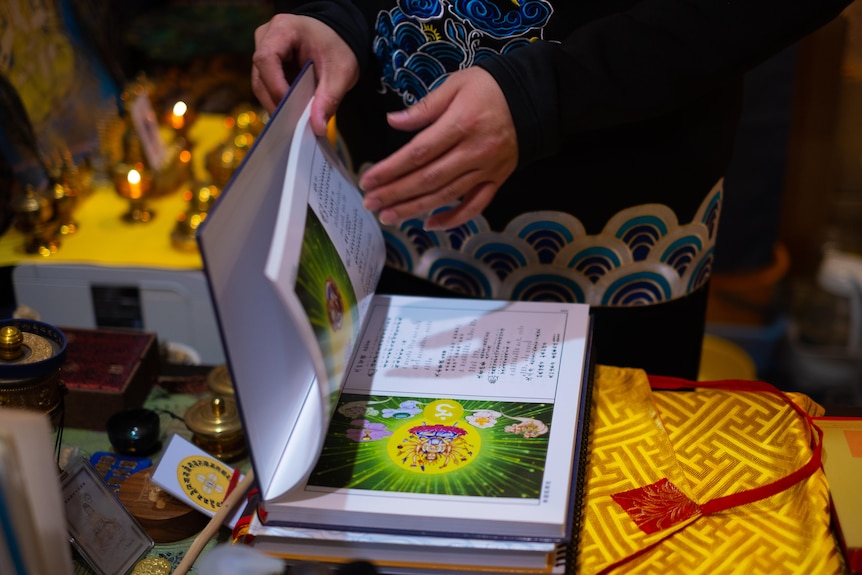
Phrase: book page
x=327 y=253
x=460 y=348
x=268 y=349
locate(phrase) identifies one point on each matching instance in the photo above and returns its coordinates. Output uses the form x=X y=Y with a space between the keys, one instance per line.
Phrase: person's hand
x=466 y=149
x=290 y=41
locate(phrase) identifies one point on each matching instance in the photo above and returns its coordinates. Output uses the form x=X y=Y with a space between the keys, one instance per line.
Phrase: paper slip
x=197 y=478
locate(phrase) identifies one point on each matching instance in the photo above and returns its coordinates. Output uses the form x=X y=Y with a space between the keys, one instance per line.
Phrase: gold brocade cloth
x=712 y=444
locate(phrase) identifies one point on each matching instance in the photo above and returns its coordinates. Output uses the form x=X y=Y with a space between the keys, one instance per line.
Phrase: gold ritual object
x=217 y=429
x=31 y=355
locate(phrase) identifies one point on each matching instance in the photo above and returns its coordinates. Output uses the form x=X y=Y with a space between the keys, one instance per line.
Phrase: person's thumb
x=322 y=109
x=333 y=84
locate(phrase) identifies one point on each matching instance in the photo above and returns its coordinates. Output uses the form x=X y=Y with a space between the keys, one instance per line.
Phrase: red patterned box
x=106 y=371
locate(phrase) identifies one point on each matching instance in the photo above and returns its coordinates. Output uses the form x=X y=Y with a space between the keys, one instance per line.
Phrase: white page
x=265 y=348
x=324 y=262
x=504 y=350
x=344 y=257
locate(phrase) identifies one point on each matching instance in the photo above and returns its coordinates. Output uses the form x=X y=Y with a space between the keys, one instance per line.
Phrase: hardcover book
x=33 y=535
x=842 y=463
x=392 y=416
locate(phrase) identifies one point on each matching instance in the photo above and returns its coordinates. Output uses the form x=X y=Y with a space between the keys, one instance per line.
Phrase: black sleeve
x=340 y=15
x=643 y=62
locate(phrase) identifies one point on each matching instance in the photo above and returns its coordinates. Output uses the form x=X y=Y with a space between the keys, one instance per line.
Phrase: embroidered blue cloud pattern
x=420 y=42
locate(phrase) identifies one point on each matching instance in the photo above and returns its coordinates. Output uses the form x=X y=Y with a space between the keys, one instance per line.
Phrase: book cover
x=842 y=463
x=33 y=535
x=397 y=549
x=432 y=416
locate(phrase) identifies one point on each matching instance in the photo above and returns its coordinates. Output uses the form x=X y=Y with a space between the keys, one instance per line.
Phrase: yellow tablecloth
x=104 y=238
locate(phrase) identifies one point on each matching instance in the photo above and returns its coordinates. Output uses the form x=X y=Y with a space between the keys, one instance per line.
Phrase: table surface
x=178 y=388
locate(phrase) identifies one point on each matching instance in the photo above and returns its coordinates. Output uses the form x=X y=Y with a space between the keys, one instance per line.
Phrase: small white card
x=197 y=478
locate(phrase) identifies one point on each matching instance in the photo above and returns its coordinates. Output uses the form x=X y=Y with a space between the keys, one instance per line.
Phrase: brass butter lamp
x=134 y=183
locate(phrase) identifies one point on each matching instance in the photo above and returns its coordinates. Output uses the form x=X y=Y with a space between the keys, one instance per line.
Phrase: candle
x=178 y=115
x=134 y=179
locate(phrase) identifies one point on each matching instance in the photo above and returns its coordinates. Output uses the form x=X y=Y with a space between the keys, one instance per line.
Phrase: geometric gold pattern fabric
x=709 y=443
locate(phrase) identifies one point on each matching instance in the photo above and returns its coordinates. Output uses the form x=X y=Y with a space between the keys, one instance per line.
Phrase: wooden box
x=106 y=371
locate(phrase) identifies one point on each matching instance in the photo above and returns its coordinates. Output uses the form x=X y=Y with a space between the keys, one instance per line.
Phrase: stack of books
x=426 y=435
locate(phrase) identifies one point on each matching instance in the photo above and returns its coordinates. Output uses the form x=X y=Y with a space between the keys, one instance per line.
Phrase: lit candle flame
x=134 y=179
x=178 y=115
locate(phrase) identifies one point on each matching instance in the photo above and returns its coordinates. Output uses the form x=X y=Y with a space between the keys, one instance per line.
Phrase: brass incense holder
x=217 y=428
x=219 y=381
x=34 y=218
x=68 y=186
x=65 y=200
x=199 y=197
x=31 y=355
x=222 y=161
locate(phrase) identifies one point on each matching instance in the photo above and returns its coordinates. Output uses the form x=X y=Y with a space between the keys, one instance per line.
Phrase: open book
x=376 y=413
